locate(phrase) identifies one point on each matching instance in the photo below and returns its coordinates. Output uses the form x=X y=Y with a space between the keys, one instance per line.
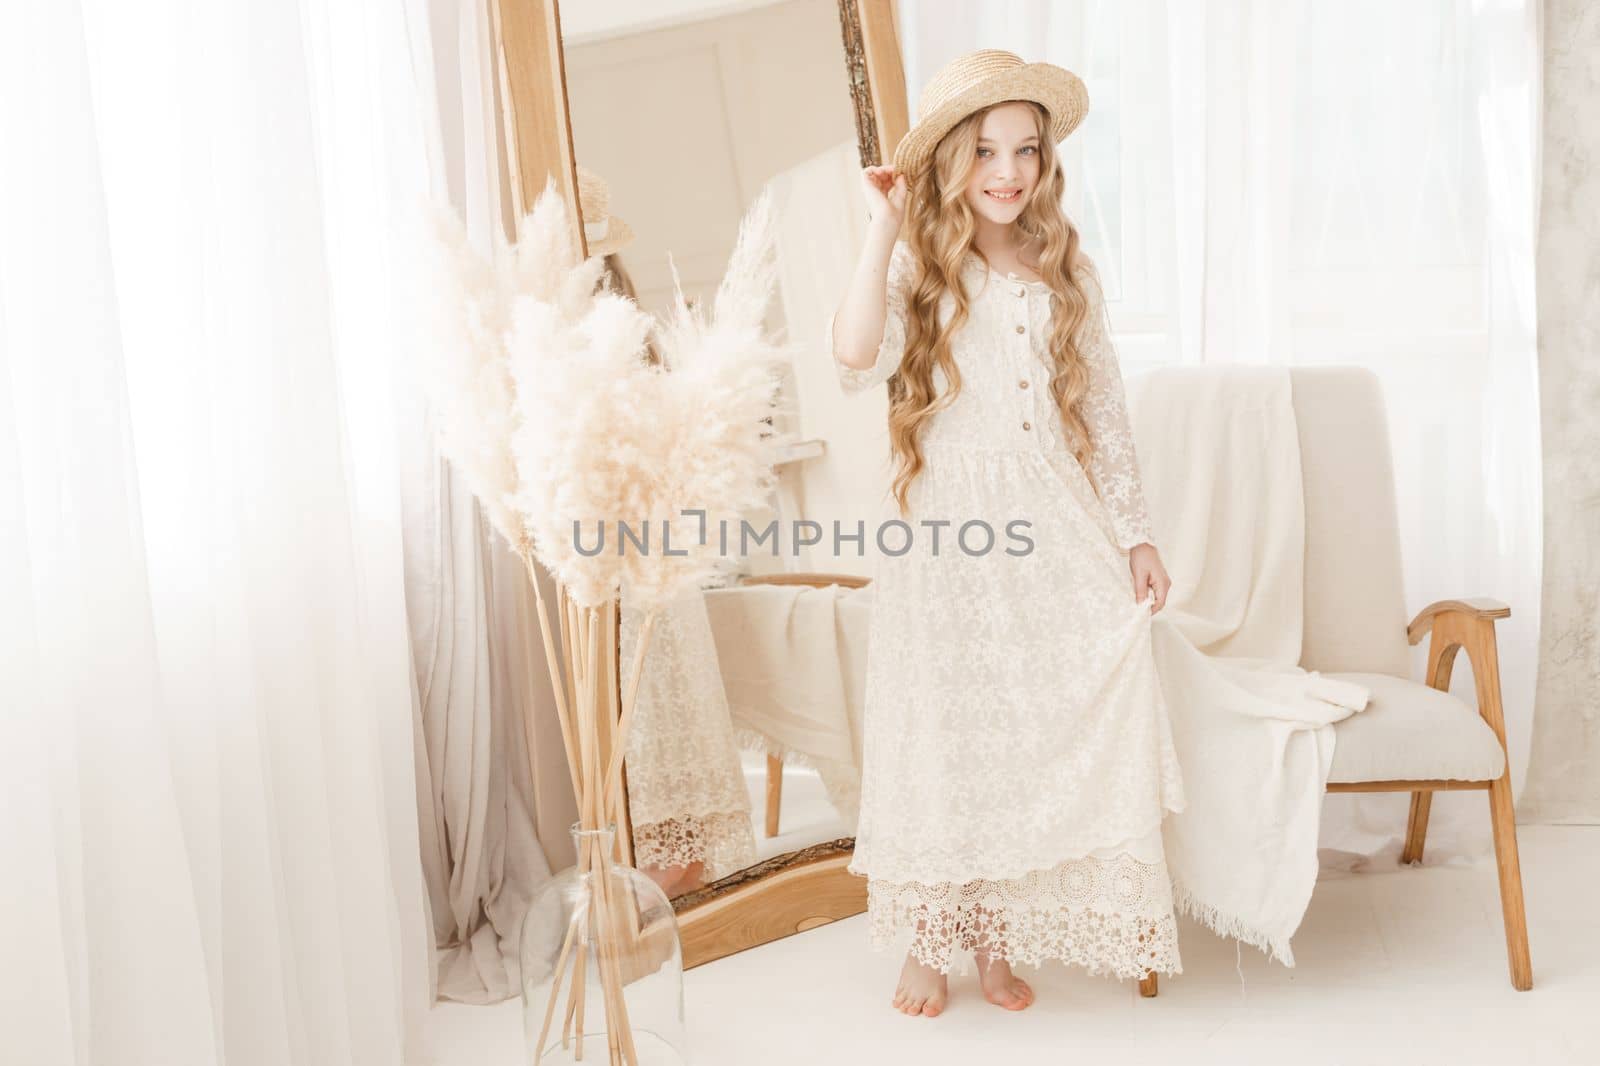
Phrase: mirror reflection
x=747 y=731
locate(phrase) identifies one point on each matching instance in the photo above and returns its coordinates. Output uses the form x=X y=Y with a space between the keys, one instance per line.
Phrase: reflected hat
x=602 y=231
x=978 y=80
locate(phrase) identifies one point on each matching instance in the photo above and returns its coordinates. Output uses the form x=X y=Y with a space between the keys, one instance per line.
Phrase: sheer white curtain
x=1293 y=182
x=210 y=834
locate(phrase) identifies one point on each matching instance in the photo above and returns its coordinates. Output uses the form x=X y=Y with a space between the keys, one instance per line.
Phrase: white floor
x=1401 y=967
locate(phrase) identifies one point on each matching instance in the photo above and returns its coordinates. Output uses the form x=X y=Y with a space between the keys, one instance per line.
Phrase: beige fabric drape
x=471 y=615
x=492 y=829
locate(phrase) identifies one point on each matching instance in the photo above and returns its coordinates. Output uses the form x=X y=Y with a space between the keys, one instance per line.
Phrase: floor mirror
x=665 y=121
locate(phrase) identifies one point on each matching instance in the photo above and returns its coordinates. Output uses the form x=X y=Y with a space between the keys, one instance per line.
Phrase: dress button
x=1022 y=329
x=1022 y=292
x=1022 y=384
x=1027 y=425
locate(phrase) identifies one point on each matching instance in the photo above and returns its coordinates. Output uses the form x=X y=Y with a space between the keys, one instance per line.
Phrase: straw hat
x=979 y=79
x=602 y=231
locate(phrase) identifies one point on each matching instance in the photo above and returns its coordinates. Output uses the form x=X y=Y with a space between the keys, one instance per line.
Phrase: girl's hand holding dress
x=1148 y=573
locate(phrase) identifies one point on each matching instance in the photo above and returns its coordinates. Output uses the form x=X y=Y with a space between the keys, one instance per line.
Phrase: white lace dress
x=687 y=798
x=1017 y=759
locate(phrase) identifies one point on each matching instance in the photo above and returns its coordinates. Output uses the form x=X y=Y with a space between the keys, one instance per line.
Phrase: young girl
x=1017 y=756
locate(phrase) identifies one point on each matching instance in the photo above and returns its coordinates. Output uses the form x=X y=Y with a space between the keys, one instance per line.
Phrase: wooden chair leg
x=1459 y=627
x=1511 y=909
x=774 y=793
x=1147 y=987
x=1484 y=656
x=1416 y=827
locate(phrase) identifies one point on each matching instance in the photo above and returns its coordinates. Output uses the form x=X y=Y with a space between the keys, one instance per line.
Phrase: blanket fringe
x=755 y=741
x=1229 y=926
x=752 y=740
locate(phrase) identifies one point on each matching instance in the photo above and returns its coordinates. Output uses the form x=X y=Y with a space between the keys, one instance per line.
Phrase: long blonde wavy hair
x=940 y=233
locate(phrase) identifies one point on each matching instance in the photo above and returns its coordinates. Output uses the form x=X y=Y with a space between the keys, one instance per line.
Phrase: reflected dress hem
x=724 y=841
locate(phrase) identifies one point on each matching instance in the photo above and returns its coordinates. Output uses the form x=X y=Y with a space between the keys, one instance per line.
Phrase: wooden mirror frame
x=799 y=890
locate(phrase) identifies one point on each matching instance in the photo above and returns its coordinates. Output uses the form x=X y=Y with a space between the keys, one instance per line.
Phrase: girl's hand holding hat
x=886 y=195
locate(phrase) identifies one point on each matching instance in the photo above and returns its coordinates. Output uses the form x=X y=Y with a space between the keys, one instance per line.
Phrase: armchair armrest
x=1467 y=625
x=1475 y=607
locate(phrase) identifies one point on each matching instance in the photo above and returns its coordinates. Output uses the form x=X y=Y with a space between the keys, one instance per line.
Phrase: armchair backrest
x=1355 y=612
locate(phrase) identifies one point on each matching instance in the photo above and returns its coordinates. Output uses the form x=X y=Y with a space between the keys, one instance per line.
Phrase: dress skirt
x=1017 y=758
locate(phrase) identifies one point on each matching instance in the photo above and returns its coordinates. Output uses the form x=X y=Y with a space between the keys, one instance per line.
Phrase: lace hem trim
x=724 y=841
x=1110 y=916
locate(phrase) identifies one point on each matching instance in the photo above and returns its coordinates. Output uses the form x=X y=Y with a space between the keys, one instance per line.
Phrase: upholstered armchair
x=1414 y=736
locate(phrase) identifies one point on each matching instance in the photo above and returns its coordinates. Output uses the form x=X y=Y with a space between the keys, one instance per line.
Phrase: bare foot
x=675 y=880
x=1001 y=987
x=694 y=876
x=665 y=877
x=922 y=990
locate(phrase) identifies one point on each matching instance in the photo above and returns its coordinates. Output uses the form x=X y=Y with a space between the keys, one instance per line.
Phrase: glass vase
x=602 y=962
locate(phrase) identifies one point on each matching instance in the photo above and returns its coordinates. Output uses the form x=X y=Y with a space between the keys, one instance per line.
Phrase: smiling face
x=1005 y=167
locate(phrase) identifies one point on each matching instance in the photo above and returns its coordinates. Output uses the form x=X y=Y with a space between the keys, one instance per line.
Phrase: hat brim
x=1059 y=91
x=618 y=236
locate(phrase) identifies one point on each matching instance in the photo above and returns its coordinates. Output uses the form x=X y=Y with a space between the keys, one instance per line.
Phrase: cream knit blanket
x=1220 y=459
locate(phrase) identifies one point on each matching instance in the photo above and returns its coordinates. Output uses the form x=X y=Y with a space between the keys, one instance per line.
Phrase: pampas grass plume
x=556 y=418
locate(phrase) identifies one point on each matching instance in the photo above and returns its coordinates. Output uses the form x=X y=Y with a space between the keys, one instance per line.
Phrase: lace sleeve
x=1115 y=463
x=893 y=345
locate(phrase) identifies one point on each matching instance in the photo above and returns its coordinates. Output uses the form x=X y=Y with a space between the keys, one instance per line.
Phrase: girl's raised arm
x=867 y=333
x=869 y=329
